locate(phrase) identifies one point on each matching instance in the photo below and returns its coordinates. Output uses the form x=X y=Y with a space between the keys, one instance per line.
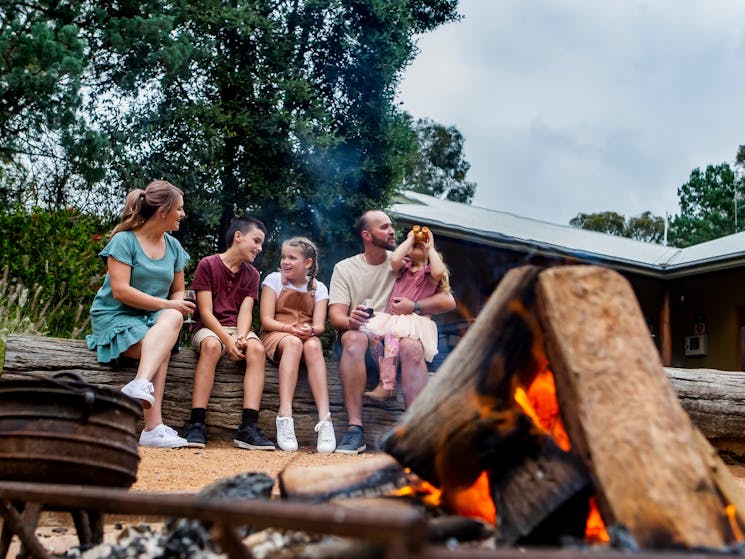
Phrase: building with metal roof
x=700 y=286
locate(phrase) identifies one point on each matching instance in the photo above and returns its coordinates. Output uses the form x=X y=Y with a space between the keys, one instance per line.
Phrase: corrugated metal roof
x=511 y=231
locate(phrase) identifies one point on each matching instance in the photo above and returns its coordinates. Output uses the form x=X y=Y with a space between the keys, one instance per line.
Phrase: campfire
x=552 y=421
x=554 y=417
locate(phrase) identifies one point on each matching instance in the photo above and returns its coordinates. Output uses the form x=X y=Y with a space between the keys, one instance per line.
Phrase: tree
x=645 y=227
x=42 y=139
x=707 y=206
x=284 y=109
x=438 y=167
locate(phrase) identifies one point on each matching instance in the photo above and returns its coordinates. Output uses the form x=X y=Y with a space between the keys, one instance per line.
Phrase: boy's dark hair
x=244 y=225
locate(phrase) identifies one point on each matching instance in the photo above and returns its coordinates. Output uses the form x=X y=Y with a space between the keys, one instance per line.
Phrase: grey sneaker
x=251 y=437
x=353 y=442
x=195 y=433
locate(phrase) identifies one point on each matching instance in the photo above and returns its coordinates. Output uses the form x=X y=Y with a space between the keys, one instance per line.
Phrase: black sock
x=352 y=427
x=198 y=415
x=250 y=417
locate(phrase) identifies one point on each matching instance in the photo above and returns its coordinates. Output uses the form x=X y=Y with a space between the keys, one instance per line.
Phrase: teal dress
x=116 y=326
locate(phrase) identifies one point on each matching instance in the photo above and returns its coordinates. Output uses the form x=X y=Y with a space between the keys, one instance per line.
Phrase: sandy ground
x=184 y=470
x=190 y=470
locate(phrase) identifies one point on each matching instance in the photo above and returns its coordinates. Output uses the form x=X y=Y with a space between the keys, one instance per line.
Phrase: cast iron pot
x=61 y=429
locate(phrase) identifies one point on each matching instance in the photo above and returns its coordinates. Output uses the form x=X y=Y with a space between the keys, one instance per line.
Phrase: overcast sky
x=571 y=106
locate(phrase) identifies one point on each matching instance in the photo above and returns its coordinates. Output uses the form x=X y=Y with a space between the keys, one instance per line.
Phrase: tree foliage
x=707 y=206
x=438 y=167
x=645 y=227
x=284 y=109
x=43 y=142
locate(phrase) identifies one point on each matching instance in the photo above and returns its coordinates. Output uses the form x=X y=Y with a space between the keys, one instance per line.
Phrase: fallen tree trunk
x=45 y=356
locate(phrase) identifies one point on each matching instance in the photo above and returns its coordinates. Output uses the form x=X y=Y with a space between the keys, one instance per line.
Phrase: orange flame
x=595 y=531
x=731 y=512
x=540 y=404
x=474 y=501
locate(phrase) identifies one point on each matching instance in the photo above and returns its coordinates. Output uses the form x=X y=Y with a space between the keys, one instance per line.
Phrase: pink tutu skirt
x=414 y=326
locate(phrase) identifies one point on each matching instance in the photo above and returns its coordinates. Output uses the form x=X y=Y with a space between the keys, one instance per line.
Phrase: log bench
x=40 y=355
x=714 y=399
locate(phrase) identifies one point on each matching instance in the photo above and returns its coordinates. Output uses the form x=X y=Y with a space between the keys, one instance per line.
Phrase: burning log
x=653 y=471
x=479 y=425
x=535 y=495
x=444 y=433
x=621 y=412
x=370 y=477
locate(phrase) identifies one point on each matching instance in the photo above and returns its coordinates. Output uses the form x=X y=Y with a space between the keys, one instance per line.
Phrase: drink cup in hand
x=368 y=304
x=191 y=296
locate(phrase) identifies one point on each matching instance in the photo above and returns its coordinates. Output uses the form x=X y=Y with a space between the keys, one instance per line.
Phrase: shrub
x=52 y=254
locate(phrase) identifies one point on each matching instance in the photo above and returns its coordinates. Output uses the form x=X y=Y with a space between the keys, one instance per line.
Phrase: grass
x=25 y=310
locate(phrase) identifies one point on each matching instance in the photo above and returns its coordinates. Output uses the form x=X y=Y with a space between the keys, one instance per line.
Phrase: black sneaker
x=195 y=433
x=251 y=437
x=353 y=442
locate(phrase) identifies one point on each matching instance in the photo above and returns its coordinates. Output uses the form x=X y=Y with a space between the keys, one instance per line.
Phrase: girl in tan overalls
x=293 y=316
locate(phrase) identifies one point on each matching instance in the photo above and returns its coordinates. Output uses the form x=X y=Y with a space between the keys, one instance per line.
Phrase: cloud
x=581 y=106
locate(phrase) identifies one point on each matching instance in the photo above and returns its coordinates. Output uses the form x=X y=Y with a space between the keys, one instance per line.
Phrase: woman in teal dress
x=139 y=310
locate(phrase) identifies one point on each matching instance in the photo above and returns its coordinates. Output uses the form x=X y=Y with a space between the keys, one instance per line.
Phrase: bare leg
x=291 y=349
x=353 y=373
x=153 y=414
x=414 y=373
x=155 y=347
x=317 y=375
x=253 y=380
x=154 y=353
x=204 y=375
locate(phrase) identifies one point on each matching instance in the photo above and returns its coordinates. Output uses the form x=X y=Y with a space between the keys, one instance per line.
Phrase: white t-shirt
x=274 y=281
x=354 y=280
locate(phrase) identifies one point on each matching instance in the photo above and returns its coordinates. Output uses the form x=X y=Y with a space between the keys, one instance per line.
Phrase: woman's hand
x=181 y=305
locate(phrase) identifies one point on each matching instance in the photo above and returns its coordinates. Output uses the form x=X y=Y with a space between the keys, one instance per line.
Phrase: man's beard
x=386 y=244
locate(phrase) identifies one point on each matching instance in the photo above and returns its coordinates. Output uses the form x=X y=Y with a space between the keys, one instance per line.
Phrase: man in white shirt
x=369 y=275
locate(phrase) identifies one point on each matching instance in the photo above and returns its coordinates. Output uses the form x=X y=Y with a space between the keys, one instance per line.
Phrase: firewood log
x=621 y=412
x=465 y=415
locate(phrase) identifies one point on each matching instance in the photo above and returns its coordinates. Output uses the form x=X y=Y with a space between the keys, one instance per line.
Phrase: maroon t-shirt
x=228 y=288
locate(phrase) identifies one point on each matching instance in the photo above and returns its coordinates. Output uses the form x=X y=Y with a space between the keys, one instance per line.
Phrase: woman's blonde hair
x=309 y=250
x=141 y=205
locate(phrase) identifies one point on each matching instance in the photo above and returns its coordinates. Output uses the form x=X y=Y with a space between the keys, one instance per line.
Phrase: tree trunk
x=45 y=356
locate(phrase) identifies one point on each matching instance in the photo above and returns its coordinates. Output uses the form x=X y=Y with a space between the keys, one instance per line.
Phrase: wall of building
x=715 y=300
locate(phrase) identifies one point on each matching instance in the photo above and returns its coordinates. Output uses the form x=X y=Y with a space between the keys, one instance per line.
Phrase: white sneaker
x=286 y=434
x=326 y=436
x=162 y=437
x=140 y=389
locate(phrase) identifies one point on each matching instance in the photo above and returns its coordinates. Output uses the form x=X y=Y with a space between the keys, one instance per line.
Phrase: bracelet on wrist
x=312 y=331
x=417 y=308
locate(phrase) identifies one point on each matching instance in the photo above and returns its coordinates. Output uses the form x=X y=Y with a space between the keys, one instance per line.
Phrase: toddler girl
x=293 y=314
x=421 y=272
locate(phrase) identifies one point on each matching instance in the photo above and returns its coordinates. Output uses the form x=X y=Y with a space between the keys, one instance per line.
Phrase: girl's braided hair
x=309 y=250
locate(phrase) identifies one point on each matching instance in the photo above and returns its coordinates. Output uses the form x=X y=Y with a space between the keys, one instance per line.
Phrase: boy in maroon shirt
x=227 y=287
